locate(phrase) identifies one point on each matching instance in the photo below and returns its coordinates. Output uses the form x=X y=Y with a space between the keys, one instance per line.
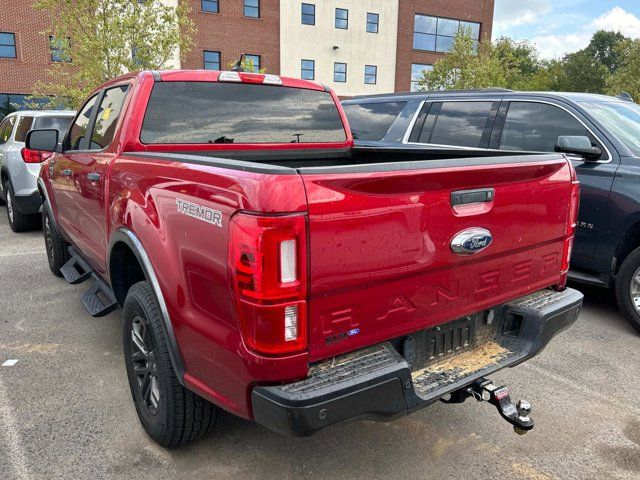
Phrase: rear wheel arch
x=629 y=241
x=4 y=175
x=128 y=263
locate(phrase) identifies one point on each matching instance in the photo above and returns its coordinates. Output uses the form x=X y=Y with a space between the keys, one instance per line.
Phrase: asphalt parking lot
x=66 y=412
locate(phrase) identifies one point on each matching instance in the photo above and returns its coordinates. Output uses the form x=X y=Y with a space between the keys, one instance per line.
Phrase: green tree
x=550 y=76
x=504 y=63
x=101 y=39
x=7 y=107
x=604 y=48
x=247 y=65
x=584 y=73
x=627 y=75
x=467 y=65
x=518 y=59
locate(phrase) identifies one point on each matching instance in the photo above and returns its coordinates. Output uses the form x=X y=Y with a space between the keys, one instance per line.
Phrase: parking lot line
x=21 y=253
x=11 y=436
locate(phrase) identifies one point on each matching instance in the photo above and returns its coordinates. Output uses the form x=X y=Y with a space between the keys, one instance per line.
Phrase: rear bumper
x=378 y=383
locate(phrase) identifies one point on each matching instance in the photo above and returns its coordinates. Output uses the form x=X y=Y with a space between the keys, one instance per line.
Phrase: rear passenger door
x=90 y=170
x=534 y=126
x=459 y=123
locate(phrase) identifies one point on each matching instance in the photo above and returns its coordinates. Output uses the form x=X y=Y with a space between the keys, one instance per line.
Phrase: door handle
x=479 y=195
x=94 y=177
x=67 y=172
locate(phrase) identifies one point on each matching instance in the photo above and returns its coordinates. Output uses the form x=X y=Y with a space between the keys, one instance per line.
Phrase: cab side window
x=107 y=118
x=78 y=132
x=535 y=127
x=6 y=128
x=24 y=125
x=462 y=124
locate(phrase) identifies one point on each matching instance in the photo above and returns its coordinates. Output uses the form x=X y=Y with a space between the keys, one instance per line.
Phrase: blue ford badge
x=472 y=240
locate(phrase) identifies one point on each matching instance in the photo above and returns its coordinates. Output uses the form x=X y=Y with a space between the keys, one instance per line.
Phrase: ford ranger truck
x=266 y=267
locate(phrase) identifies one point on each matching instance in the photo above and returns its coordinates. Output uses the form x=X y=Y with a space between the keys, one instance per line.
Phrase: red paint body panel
x=379 y=256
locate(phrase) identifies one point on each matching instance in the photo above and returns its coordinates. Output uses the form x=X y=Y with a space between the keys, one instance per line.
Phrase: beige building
x=349 y=45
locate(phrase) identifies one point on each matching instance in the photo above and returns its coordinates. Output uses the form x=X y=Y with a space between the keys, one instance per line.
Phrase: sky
x=557 y=27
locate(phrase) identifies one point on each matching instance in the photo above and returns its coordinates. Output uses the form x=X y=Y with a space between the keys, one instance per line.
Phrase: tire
x=57 y=248
x=170 y=414
x=625 y=287
x=17 y=221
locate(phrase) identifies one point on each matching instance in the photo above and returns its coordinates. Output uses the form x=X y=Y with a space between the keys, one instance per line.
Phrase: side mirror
x=42 y=140
x=578 y=145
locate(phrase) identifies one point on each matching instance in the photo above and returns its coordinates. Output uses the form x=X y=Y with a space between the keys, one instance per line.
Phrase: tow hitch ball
x=485 y=391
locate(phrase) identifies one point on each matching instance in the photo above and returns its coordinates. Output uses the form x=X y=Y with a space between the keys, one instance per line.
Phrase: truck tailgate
x=381 y=262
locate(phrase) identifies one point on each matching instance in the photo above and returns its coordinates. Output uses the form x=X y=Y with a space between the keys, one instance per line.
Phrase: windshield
x=209 y=112
x=621 y=118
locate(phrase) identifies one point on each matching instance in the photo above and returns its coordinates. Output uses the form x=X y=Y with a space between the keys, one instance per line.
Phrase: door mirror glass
x=578 y=145
x=43 y=140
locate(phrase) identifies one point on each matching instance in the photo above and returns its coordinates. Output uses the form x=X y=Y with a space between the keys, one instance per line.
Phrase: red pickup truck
x=266 y=267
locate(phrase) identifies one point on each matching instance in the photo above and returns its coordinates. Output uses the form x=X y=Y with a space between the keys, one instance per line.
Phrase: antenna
x=237 y=67
x=625 y=96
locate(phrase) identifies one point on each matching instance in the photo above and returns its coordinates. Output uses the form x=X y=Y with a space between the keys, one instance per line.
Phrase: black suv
x=600 y=134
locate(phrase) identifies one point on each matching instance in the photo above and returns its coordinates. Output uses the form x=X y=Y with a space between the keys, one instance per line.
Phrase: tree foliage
x=247 y=65
x=626 y=77
x=609 y=64
x=466 y=66
x=101 y=39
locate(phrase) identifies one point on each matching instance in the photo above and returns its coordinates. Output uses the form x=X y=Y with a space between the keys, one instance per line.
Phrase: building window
x=308 y=14
x=417 y=70
x=7 y=45
x=211 y=6
x=252 y=8
x=57 y=53
x=370 y=74
x=435 y=34
x=340 y=72
x=342 y=18
x=255 y=61
x=308 y=70
x=211 y=60
x=373 y=19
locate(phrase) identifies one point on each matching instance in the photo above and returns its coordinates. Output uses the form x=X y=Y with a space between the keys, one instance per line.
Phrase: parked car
x=607 y=244
x=266 y=267
x=19 y=173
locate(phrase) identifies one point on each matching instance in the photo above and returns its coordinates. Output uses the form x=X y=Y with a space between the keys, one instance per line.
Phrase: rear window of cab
x=239 y=113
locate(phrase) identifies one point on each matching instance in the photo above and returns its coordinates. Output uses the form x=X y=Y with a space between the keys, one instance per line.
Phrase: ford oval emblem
x=472 y=240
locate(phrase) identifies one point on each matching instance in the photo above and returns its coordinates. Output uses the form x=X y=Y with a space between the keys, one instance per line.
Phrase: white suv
x=18 y=177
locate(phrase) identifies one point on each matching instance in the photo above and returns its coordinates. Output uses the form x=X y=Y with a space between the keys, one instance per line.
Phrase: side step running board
x=76 y=270
x=99 y=300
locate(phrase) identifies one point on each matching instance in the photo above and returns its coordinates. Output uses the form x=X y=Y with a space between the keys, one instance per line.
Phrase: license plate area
x=435 y=344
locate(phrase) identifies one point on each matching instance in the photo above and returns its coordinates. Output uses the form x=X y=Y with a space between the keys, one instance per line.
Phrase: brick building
x=355 y=46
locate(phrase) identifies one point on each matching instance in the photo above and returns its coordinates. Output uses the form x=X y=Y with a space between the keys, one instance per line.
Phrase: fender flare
x=42 y=188
x=131 y=240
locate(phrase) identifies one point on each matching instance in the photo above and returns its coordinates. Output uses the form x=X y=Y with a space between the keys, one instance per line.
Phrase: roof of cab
x=485 y=92
x=213 y=76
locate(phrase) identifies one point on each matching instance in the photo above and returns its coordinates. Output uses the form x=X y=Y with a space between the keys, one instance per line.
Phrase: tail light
x=34 y=156
x=268 y=274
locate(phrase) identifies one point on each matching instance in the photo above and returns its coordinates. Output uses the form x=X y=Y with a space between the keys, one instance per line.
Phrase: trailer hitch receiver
x=483 y=390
